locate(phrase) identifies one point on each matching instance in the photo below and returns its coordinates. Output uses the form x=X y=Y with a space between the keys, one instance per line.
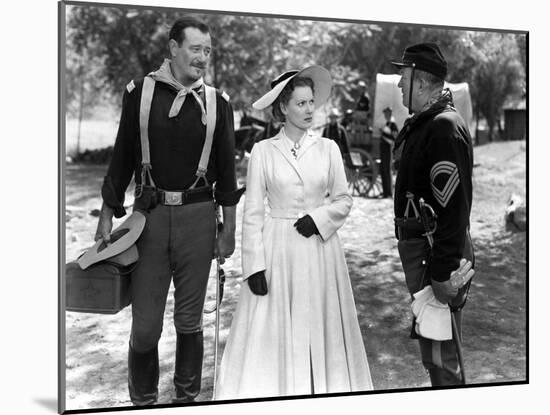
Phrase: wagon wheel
x=362 y=174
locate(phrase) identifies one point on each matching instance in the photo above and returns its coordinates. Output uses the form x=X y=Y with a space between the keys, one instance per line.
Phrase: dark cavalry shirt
x=175 y=147
x=436 y=164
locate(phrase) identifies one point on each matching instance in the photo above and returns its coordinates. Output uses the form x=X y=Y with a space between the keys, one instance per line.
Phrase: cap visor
x=399 y=64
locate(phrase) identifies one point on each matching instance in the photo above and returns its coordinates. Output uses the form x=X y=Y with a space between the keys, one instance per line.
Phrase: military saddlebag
x=102 y=288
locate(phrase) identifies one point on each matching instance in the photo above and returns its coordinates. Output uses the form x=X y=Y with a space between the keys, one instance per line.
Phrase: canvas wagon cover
x=388 y=94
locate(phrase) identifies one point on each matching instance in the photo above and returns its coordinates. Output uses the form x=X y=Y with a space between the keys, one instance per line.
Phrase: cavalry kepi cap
x=426 y=57
x=122 y=249
x=322 y=84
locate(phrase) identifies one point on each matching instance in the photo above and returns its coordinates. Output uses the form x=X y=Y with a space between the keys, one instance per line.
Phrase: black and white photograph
x=289 y=209
x=261 y=207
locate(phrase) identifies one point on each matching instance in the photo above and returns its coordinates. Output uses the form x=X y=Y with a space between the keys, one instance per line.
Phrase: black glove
x=444 y=291
x=257 y=283
x=306 y=226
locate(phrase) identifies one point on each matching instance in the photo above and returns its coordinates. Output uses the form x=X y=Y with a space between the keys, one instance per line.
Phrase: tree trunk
x=491 y=126
x=476 y=138
x=80 y=108
x=500 y=129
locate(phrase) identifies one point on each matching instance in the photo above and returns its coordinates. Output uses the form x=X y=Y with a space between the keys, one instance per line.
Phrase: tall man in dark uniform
x=179 y=239
x=436 y=165
x=388 y=134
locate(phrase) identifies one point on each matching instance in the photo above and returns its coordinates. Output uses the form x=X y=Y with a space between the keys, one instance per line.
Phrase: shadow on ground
x=494 y=318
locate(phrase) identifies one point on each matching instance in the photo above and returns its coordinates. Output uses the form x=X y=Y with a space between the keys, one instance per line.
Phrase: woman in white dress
x=295 y=330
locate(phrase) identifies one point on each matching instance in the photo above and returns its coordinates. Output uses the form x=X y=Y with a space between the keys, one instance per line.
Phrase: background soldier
x=389 y=133
x=179 y=237
x=336 y=132
x=363 y=103
x=436 y=165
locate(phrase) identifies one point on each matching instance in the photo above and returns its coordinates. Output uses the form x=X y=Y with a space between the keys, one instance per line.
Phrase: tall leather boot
x=188 y=370
x=442 y=377
x=143 y=376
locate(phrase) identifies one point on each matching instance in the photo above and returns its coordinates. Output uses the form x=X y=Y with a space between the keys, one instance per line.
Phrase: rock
x=95 y=212
x=515 y=216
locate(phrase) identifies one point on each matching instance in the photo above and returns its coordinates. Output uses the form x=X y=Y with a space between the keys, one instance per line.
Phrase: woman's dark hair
x=177 y=30
x=286 y=93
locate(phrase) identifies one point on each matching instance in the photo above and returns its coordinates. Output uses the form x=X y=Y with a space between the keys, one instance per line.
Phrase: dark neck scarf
x=441 y=102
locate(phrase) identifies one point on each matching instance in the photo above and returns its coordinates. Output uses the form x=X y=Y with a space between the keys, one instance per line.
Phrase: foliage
x=131 y=42
x=84 y=81
x=109 y=46
x=245 y=71
x=498 y=74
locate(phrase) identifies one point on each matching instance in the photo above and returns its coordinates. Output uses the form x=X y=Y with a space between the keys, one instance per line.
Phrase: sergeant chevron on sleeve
x=433 y=197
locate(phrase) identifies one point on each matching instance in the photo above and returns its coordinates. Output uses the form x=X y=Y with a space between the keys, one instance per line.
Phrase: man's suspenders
x=210 y=93
x=144 y=111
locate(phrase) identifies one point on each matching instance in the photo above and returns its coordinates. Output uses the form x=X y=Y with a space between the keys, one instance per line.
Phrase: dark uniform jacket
x=175 y=146
x=436 y=164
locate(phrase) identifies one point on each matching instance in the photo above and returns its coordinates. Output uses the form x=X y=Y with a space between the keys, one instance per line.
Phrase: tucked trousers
x=177 y=243
x=443 y=354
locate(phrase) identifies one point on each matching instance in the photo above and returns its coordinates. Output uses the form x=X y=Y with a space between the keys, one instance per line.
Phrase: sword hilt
x=429 y=220
x=220 y=280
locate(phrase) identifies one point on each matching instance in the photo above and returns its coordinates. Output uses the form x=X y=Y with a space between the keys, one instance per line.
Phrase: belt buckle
x=173 y=198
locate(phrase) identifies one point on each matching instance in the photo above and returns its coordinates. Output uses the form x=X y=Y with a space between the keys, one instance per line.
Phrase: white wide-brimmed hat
x=121 y=249
x=322 y=84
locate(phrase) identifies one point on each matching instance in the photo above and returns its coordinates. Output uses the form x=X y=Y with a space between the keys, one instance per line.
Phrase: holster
x=408 y=228
x=415 y=256
x=146 y=197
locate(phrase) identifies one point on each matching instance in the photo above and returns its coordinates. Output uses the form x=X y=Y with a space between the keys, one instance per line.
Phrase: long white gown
x=302 y=337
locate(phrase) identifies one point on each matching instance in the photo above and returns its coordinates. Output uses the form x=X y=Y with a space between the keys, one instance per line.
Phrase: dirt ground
x=494 y=319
